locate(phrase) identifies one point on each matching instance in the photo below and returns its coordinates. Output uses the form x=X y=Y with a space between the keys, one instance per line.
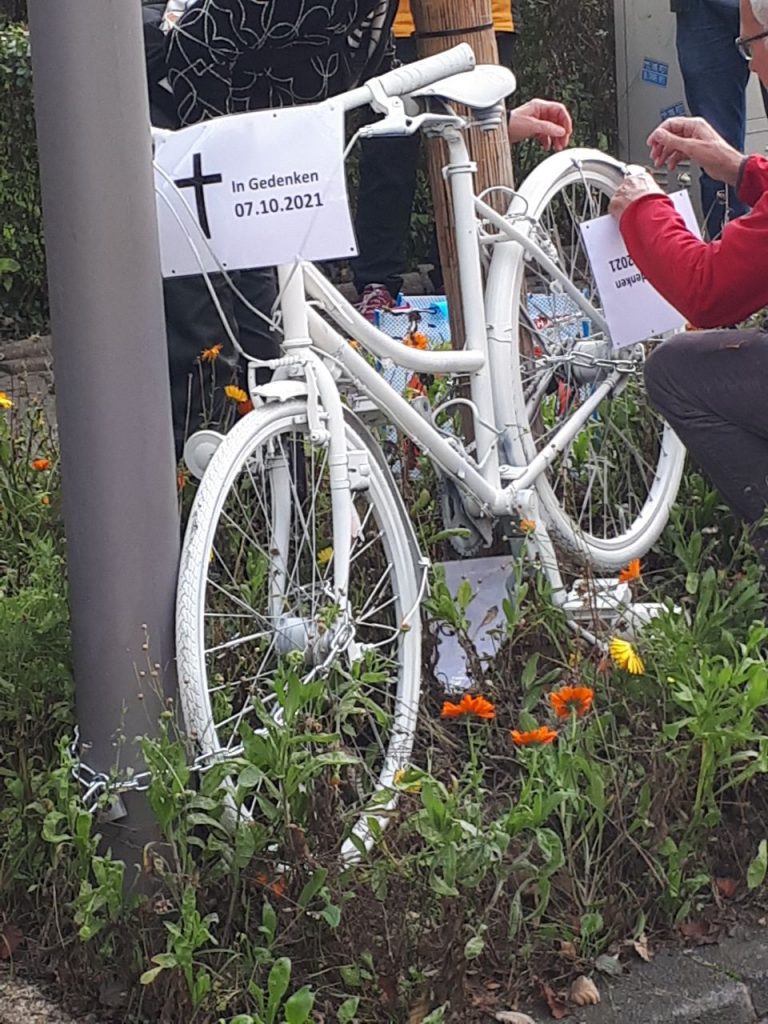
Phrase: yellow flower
x=626 y=657
x=528 y=525
x=324 y=556
x=235 y=393
x=5 y=401
x=210 y=355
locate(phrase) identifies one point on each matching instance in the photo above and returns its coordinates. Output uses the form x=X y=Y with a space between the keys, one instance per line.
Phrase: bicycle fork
x=326 y=425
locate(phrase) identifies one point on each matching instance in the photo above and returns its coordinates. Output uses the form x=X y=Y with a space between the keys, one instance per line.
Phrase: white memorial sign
x=633 y=308
x=256 y=189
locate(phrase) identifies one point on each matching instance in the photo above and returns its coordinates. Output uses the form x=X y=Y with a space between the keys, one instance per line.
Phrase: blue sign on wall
x=655 y=72
x=678 y=110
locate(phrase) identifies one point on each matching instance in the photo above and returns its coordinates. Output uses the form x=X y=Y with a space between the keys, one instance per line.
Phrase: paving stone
x=673 y=989
x=744 y=958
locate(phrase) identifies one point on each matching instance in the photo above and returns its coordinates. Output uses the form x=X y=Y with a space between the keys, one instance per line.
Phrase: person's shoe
x=374 y=298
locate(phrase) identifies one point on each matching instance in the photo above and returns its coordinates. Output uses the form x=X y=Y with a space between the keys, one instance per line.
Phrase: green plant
x=22 y=258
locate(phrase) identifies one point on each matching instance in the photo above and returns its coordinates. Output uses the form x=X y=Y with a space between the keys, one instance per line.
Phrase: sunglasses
x=744 y=45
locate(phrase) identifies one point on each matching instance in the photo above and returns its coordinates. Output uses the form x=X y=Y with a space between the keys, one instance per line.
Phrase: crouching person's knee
x=662 y=371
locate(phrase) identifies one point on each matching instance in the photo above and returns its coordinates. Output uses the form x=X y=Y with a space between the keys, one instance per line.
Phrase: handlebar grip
x=431 y=69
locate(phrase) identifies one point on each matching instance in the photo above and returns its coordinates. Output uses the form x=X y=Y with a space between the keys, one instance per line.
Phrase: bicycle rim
x=255 y=600
x=607 y=496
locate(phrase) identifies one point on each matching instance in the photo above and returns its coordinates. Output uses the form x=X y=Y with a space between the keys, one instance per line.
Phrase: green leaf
x=757 y=869
x=312 y=887
x=331 y=915
x=299 y=1006
x=348 y=1009
x=149 y=976
x=474 y=947
x=441 y=887
x=277 y=985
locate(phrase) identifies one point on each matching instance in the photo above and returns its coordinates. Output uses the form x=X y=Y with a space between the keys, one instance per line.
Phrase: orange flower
x=534 y=738
x=210 y=355
x=235 y=393
x=45 y=500
x=632 y=572
x=415 y=339
x=469 y=705
x=181 y=479
x=528 y=525
x=244 y=407
x=40 y=464
x=277 y=886
x=572 y=698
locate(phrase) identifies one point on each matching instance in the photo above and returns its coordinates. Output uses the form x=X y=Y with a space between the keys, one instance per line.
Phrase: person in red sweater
x=710 y=385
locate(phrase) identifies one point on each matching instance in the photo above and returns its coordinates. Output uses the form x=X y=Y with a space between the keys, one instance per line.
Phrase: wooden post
x=441 y=24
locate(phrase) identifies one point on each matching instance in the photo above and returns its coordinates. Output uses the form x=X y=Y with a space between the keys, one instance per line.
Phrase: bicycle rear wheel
x=606 y=497
x=255 y=601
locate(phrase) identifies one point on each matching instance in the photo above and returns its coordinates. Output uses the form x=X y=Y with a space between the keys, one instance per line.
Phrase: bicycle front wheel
x=607 y=496
x=256 y=604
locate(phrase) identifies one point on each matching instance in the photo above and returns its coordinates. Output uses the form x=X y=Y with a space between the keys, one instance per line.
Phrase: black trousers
x=385 y=198
x=710 y=387
x=193 y=324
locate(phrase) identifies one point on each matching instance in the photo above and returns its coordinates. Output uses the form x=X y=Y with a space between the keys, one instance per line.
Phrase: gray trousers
x=711 y=388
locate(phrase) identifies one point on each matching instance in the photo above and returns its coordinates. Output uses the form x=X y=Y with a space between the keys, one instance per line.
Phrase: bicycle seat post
x=290 y=278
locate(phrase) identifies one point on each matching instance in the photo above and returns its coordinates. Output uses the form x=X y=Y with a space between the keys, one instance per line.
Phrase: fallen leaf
x=727 y=887
x=701 y=933
x=642 y=948
x=568 y=949
x=604 y=666
x=388 y=987
x=10 y=937
x=512 y=1017
x=583 y=992
x=557 y=1007
x=419 y=1010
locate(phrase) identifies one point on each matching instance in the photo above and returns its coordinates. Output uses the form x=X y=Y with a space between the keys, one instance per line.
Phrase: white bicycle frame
x=315 y=352
x=499 y=489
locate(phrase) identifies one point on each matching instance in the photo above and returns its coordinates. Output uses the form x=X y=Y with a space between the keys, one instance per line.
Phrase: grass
x=505 y=867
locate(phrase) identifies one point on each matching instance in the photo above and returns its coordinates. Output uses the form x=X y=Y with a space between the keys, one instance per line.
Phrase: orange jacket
x=502 y=18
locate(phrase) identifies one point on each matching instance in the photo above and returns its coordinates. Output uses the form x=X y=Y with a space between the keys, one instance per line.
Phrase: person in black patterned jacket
x=230 y=56
x=226 y=56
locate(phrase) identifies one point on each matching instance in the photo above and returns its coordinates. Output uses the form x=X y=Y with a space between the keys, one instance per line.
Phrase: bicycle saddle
x=484 y=87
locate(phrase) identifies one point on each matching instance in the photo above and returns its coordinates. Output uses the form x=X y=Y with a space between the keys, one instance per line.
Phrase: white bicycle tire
x=248 y=435
x=505 y=281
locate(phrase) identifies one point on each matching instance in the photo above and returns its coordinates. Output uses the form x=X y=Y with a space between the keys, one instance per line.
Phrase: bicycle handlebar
x=414 y=76
x=424 y=72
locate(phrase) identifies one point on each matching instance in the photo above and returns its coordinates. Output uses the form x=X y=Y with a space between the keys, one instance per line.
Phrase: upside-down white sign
x=631 y=305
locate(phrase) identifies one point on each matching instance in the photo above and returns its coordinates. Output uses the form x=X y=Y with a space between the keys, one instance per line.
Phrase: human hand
x=635 y=186
x=547 y=122
x=692 y=138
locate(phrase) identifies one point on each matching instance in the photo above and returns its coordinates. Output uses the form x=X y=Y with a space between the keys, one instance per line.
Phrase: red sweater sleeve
x=712 y=284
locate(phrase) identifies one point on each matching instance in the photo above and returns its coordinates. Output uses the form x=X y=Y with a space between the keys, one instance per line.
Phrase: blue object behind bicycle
x=397 y=321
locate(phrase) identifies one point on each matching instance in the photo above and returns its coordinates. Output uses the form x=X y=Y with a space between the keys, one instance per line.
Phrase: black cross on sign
x=198 y=181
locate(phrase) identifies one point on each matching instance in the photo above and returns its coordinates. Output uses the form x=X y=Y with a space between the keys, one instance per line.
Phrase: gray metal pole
x=111 y=373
